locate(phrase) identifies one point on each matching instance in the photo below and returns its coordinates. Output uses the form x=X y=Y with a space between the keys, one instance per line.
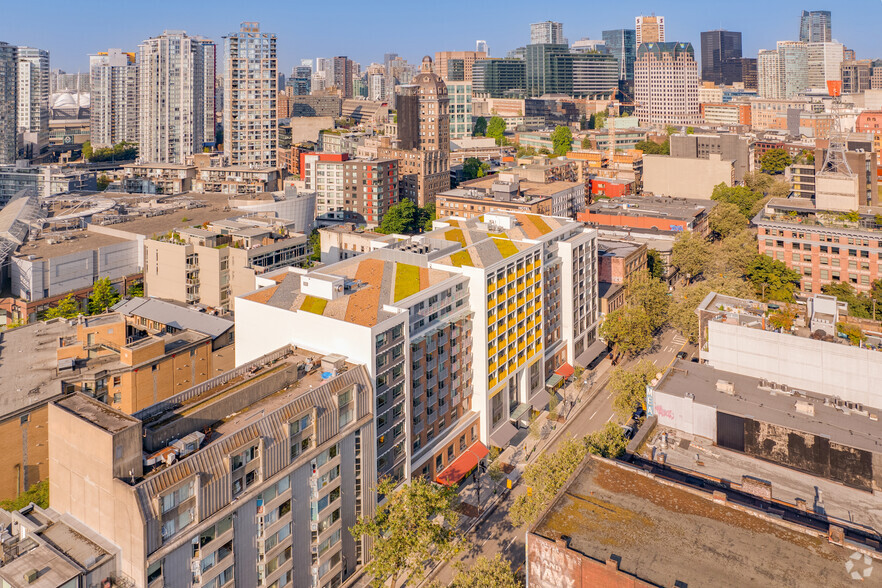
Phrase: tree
x=38 y=494
x=600 y=119
x=485 y=572
x=402 y=218
x=609 y=442
x=104 y=295
x=859 y=305
x=315 y=245
x=103 y=182
x=136 y=290
x=628 y=328
x=592 y=122
x=734 y=254
x=853 y=333
x=690 y=130
x=480 y=127
x=784 y=317
x=583 y=123
x=543 y=478
x=650 y=294
x=726 y=219
x=741 y=196
x=775 y=161
x=562 y=140
x=496 y=129
x=474 y=168
x=682 y=313
x=427 y=215
x=655 y=263
x=586 y=142
x=653 y=148
x=691 y=253
x=629 y=387
x=67 y=307
x=406 y=531
x=670 y=130
x=87 y=150
x=772 y=279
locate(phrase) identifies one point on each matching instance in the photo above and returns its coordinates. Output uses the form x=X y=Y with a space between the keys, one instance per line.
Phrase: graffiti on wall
x=551 y=566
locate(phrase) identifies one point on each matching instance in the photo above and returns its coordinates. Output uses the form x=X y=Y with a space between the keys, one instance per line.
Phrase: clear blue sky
x=364 y=30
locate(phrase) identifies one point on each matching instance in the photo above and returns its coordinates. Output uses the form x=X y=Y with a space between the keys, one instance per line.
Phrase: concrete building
x=856 y=76
x=32 y=102
x=729 y=146
x=499 y=78
x=731 y=114
x=666 y=84
x=816 y=26
x=619 y=261
x=771 y=114
x=548 y=32
x=250 y=89
x=460 y=107
x=45 y=180
x=113 y=78
x=176 y=98
x=495 y=358
x=523 y=188
x=456 y=66
x=783 y=73
x=366 y=187
x=213 y=265
x=721 y=57
x=340 y=76
x=649 y=29
x=280 y=490
x=824 y=64
x=660 y=215
x=158 y=178
x=236 y=179
x=685 y=177
x=738 y=529
x=344 y=241
x=8 y=104
x=622 y=44
x=294 y=204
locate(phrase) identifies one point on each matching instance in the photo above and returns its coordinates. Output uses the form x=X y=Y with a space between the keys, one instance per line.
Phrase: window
x=24 y=418
x=346 y=408
x=154 y=571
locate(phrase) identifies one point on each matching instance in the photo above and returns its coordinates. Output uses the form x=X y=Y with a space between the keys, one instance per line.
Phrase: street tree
x=67 y=307
x=480 y=126
x=136 y=290
x=743 y=197
x=406 y=530
x=726 y=219
x=485 y=572
x=473 y=168
x=650 y=294
x=104 y=295
x=682 y=312
x=734 y=254
x=628 y=329
x=655 y=264
x=775 y=161
x=772 y=279
x=600 y=119
x=406 y=218
x=629 y=387
x=543 y=479
x=609 y=442
x=691 y=253
x=653 y=148
x=496 y=129
x=427 y=215
x=562 y=140
x=315 y=245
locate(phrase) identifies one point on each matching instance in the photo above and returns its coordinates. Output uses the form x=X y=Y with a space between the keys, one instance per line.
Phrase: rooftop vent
x=726 y=387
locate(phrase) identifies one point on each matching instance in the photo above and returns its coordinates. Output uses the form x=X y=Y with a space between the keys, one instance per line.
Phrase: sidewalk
x=478 y=496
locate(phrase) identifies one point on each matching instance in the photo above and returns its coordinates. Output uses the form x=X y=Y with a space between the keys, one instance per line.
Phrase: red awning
x=565 y=371
x=463 y=464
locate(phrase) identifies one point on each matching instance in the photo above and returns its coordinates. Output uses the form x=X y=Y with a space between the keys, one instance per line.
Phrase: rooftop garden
x=455 y=235
x=407 y=280
x=506 y=247
x=540 y=224
x=314 y=305
x=461 y=258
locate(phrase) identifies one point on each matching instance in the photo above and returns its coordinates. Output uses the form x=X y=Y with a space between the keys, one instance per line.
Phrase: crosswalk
x=679 y=340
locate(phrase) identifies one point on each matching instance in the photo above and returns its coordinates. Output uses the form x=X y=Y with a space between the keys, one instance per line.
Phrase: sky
x=364 y=30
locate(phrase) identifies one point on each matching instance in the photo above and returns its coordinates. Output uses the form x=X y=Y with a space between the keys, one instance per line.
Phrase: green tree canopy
x=485 y=572
x=629 y=387
x=691 y=253
x=104 y=295
x=474 y=168
x=586 y=142
x=780 y=281
x=784 y=317
x=87 y=150
x=600 y=119
x=655 y=263
x=496 y=129
x=38 y=494
x=734 y=254
x=741 y=196
x=480 y=126
x=544 y=477
x=119 y=152
x=583 y=123
x=628 y=328
x=427 y=215
x=859 y=304
x=406 y=531
x=653 y=148
x=650 y=294
x=406 y=218
x=775 y=161
x=562 y=140
x=609 y=442
x=726 y=219
x=67 y=307
x=136 y=290
x=687 y=299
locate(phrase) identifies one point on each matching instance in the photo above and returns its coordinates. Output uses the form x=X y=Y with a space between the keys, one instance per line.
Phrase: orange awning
x=565 y=371
x=463 y=464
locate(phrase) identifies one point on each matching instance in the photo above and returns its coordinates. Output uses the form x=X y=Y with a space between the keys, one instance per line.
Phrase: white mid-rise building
x=783 y=73
x=547 y=32
x=176 y=97
x=824 y=64
x=114 y=98
x=250 y=94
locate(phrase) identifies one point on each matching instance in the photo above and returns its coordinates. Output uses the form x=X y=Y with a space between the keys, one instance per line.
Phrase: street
x=495 y=534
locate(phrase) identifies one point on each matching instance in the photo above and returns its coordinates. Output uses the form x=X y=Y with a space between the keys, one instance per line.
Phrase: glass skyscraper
x=815 y=26
x=622 y=44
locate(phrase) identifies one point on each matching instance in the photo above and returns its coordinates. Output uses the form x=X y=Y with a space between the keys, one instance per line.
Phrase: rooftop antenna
x=835 y=161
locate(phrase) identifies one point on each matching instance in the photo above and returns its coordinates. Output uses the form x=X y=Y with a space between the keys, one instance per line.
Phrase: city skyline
x=70 y=47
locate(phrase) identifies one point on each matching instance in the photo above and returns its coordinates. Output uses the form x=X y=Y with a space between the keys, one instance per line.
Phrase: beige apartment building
x=263 y=498
x=212 y=265
x=456 y=66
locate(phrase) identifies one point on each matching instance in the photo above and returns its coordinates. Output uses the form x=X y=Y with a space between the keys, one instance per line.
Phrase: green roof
x=506 y=247
x=407 y=280
x=461 y=258
x=314 y=305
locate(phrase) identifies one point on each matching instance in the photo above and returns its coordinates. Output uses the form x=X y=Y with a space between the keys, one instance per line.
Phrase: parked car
x=682 y=355
x=639 y=413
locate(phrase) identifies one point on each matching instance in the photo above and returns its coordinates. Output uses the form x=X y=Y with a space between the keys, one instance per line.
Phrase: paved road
x=495 y=534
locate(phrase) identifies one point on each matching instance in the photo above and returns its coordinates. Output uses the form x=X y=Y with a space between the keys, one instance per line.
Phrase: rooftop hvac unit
x=726 y=387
